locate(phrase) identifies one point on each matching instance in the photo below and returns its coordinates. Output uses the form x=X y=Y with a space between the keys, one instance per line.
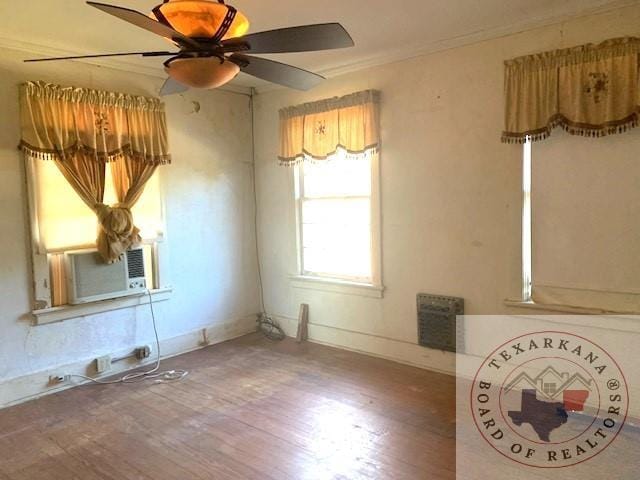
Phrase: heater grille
x=438 y=325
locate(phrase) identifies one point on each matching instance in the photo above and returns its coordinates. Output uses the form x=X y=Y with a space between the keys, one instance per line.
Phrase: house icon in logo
x=550 y=384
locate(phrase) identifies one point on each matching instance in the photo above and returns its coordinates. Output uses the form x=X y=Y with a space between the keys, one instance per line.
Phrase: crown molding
x=407 y=53
x=479 y=36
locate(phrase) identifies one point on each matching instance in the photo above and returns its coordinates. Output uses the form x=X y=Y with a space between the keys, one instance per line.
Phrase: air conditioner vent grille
x=135 y=263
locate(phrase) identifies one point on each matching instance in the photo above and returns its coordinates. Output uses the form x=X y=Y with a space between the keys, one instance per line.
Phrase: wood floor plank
x=250 y=409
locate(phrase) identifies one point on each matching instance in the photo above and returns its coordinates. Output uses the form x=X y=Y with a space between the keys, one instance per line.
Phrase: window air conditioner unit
x=90 y=279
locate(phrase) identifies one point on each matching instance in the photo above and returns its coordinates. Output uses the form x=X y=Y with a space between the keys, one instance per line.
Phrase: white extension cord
x=153 y=374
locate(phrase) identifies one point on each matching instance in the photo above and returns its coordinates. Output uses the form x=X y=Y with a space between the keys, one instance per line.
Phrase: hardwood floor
x=250 y=409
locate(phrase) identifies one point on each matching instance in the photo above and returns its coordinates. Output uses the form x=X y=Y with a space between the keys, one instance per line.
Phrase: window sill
x=66 y=312
x=344 y=287
x=564 y=308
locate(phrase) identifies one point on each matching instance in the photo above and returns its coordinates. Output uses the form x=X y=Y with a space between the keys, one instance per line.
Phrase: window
x=62 y=222
x=71 y=137
x=338 y=218
x=580 y=232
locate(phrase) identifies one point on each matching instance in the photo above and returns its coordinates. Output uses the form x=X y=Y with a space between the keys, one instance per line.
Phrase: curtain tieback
x=117 y=231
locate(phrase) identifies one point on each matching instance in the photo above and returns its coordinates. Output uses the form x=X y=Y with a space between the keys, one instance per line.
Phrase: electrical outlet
x=103 y=364
x=143 y=352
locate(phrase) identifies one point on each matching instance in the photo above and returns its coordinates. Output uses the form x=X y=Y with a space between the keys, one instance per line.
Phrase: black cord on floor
x=153 y=374
x=270 y=328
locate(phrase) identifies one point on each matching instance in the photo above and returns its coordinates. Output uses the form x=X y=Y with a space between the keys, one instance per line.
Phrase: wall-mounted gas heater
x=90 y=279
x=441 y=322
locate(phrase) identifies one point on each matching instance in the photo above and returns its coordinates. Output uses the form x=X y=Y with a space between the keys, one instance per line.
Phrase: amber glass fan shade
x=202 y=18
x=202 y=72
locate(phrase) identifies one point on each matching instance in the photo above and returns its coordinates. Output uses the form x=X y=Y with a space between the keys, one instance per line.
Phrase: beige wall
x=209 y=214
x=451 y=192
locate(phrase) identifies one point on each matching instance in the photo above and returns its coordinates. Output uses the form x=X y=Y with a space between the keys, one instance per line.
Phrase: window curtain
x=590 y=90
x=118 y=230
x=318 y=130
x=82 y=129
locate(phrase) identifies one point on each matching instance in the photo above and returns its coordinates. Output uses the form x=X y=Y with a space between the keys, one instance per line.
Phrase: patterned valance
x=60 y=122
x=590 y=90
x=318 y=130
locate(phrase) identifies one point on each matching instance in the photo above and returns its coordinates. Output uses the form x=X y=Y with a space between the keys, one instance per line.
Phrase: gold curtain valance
x=61 y=122
x=590 y=90
x=315 y=131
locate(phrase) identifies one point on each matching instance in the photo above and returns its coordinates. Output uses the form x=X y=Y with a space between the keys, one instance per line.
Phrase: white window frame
x=374 y=286
x=42 y=310
x=527 y=224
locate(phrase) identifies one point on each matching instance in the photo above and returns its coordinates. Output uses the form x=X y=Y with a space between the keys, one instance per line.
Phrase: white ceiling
x=382 y=30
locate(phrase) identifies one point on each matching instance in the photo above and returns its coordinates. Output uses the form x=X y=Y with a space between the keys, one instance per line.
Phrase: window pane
x=340 y=176
x=63 y=218
x=337 y=237
x=337 y=211
x=147 y=212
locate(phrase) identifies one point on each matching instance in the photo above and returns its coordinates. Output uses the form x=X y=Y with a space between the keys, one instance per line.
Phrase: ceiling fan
x=212 y=40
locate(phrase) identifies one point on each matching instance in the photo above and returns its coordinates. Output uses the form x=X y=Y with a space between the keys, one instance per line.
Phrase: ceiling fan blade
x=102 y=55
x=277 y=72
x=141 y=20
x=171 y=87
x=307 y=38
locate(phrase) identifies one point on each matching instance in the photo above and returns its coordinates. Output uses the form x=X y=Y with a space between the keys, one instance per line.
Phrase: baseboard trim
x=34 y=385
x=375 y=346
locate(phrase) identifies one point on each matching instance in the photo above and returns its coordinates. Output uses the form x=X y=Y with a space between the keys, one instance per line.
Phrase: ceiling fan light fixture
x=201 y=72
x=202 y=18
x=205 y=60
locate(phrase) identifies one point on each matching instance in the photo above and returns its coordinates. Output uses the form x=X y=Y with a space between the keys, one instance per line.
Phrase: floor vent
x=437 y=325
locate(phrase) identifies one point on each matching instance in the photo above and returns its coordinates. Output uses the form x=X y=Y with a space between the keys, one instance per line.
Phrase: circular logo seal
x=549 y=399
